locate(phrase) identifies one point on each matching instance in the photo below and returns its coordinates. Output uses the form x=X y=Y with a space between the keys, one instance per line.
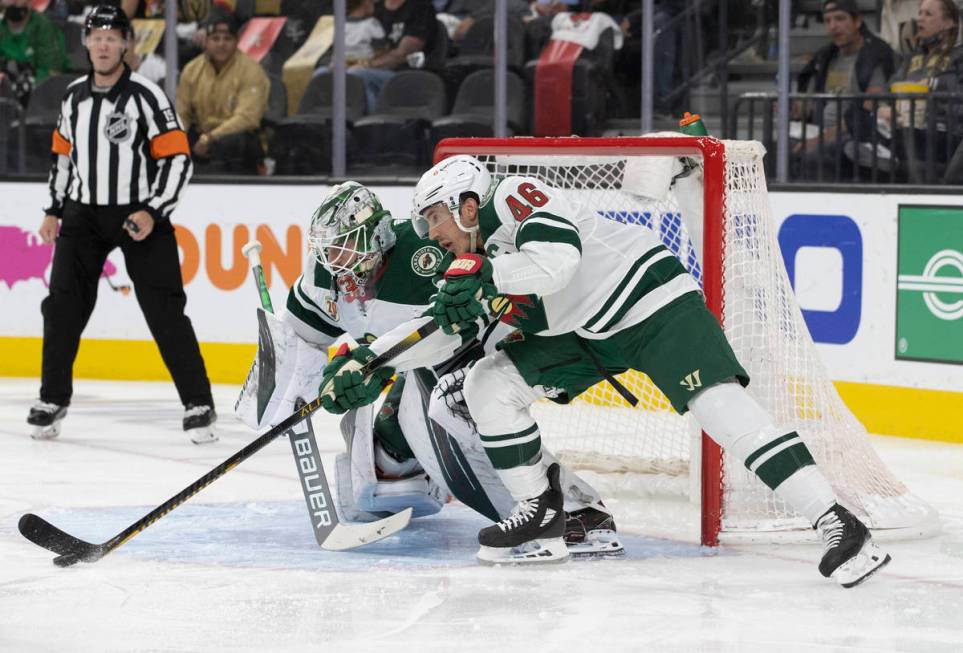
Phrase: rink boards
x=879 y=279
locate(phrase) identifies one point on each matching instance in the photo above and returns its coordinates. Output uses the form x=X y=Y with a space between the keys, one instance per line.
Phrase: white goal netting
x=761 y=319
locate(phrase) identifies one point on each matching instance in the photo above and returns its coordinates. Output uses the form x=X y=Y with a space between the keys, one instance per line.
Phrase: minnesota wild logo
x=425 y=261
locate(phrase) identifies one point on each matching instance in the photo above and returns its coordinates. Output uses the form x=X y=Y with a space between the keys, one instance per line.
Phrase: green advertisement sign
x=929 y=296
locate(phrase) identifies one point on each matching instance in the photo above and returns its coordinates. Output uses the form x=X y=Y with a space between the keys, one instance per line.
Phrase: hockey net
x=716 y=219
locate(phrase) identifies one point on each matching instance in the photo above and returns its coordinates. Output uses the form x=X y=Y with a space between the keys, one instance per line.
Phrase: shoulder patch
x=424 y=262
x=330 y=308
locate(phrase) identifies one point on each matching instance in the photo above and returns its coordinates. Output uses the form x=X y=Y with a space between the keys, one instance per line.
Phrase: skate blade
x=861 y=566
x=203 y=435
x=598 y=544
x=544 y=551
x=46 y=432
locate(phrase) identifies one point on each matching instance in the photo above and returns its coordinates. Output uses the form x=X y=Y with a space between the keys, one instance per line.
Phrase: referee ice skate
x=121 y=162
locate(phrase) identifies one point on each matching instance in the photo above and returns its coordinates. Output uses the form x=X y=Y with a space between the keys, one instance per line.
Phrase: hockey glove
x=459 y=302
x=343 y=387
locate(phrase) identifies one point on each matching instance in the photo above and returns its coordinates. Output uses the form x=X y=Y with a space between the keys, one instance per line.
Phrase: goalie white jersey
x=317 y=313
x=569 y=269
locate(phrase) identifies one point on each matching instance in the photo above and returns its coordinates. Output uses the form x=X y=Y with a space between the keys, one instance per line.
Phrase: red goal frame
x=712 y=153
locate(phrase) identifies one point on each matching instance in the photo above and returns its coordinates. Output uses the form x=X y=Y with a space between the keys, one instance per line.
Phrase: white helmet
x=350 y=232
x=446 y=183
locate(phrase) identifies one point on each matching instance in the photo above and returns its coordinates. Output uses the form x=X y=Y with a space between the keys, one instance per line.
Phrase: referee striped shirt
x=125 y=146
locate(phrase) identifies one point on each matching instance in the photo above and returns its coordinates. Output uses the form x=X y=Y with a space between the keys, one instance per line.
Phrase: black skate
x=590 y=533
x=851 y=556
x=198 y=421
x=532 y=533
x=46 y=418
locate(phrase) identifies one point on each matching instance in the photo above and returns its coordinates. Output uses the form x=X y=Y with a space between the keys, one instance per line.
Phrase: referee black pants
x=87 y=236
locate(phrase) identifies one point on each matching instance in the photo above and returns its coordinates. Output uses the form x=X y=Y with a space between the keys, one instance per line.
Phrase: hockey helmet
x=350 y=232
x=107 y=17
x=447 y=183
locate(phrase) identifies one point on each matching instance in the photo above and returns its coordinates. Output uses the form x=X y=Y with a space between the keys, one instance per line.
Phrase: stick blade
x=42 y=533
x=349 y=536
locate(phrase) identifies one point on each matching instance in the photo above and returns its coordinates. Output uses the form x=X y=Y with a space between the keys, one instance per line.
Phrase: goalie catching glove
x=344 y=388
x=468 y=282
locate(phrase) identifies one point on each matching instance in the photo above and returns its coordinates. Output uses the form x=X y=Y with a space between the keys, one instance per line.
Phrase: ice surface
x=237 y=567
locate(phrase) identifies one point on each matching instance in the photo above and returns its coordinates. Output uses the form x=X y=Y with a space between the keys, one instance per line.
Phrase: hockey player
x=592 y=298
x=365 y=276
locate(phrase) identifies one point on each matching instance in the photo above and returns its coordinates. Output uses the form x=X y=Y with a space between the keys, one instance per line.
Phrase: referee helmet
x=108 y=17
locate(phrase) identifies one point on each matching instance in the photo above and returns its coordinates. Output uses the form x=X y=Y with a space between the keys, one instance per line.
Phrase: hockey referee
x=121 y=162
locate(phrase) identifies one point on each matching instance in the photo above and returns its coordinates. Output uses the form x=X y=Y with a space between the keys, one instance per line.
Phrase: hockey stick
x=71 y=550
x=252 y=252
x=325 y=522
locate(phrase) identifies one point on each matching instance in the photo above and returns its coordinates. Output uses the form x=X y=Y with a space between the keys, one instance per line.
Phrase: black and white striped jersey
x=125 y=146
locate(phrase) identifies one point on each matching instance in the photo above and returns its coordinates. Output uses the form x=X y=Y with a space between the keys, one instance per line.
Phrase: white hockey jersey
x=569 y=269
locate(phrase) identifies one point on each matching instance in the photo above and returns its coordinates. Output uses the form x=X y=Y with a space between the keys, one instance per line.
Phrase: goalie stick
x=307 y=460
x=71 y=550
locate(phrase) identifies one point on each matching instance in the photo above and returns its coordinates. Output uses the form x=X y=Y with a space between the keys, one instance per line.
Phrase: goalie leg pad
x=285 y=368
x=367 y=492
x=455 y=451
x=347 y=507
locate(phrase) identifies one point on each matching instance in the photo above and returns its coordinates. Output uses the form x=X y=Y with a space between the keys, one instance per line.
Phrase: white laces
x=523 y=512
x=46 y=407
x=194 y=411
x=831 y=529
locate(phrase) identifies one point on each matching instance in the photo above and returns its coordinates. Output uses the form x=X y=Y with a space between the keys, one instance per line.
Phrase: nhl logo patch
x=117 y=127
x=425 y=261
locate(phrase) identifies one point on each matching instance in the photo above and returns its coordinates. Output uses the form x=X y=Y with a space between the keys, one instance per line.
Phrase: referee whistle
x=130 y=224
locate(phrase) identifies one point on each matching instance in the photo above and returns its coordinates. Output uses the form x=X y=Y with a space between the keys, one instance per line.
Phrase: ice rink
x=237 y=567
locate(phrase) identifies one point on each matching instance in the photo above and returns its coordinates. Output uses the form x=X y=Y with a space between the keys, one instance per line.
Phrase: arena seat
x=302 y=143
x=474 y=111
x=398 y=130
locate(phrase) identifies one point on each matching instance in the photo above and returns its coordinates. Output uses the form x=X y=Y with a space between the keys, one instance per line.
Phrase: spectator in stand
x=221 y=98
x=364 y=38
x=936 y=64
x=363 y=34
x=628 y=59
x=460 y=15
x=410 y=27
x=897 y=26
x=191 y=16
x=855 y=61
x=31 y=47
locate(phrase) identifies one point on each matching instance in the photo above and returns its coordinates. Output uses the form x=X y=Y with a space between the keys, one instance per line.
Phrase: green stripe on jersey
x=322 y=278
x=297 y=305
x=539 y=227
x=659 y=273
x=623 y=283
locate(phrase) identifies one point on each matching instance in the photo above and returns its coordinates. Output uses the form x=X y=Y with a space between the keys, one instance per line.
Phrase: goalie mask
x=446 y=183
x=350 y=233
